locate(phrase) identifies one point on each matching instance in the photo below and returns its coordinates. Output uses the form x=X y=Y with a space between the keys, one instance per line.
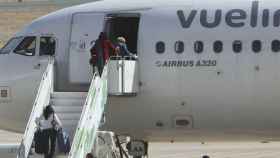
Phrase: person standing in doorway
x=122 y=48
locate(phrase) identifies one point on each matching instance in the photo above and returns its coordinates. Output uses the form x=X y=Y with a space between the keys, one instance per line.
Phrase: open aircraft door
x=86 y=28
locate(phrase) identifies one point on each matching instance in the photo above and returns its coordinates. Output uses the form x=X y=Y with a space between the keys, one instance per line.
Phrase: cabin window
x=237 y=46
x=256 y=46
x=275 y=46
x=47 y=45
x=198 y=46
x=160 y=47
x=179 y=47
x=27 y=47
x=10 y=45
x=218 y=46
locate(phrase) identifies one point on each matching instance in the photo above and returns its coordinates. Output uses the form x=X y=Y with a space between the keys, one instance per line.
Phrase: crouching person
x=49 y=124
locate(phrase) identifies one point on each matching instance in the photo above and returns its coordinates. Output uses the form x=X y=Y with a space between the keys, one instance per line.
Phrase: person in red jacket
x=107 y=47
x=100 y=52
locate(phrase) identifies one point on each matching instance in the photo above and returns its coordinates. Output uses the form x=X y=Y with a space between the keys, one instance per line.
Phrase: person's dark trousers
x=93 y=69
x=100 y=65
x=51 y=134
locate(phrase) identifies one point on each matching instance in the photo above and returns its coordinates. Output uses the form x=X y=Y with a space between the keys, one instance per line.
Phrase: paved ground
x=195 y=149
x=216 y=150
x=8 y=137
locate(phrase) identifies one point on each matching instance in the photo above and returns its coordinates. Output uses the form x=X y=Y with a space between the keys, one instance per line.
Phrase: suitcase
x=63 y=141
x=41 y=142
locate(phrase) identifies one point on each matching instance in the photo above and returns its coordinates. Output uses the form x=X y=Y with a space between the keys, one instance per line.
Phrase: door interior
x=124 y=25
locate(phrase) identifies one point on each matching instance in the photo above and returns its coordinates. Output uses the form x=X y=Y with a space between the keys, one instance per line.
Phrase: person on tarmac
x=89 y=155
x=49 y=123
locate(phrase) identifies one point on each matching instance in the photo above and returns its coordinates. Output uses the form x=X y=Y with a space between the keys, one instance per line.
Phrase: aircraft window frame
x=275 y=46
x=237 y=46
x=179 y=47
x=256 y=46
x=218 y=46
x=24 y=51
x=53 y=47
x=160 y=47
x=198 y=47
x=11 y=44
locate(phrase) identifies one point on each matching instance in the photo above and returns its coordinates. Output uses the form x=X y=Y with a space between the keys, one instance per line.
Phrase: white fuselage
x=215 y=92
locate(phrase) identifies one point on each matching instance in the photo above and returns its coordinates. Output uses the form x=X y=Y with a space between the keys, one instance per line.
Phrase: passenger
x=122 y=48
x=89 y=155
x=107 y=47
x=49 y=123
x=93 y=57
x=97 y=55
x=100 y=52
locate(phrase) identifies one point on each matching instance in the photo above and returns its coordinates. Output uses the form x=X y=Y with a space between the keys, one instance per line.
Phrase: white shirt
x=47 y=124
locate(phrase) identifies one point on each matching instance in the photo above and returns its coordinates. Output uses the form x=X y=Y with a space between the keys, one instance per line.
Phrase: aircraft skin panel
x=215 y=91
x=239 y=93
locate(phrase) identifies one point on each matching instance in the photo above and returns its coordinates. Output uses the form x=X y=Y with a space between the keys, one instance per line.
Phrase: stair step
x=58 y=155
x=67 y=95
x=68 y=109
x=61 y=156
x=69 y=122
x=69 y=116
x=68 y=102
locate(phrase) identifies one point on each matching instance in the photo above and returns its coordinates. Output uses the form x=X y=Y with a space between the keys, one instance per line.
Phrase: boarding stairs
x=80 y=113
x=68 y=106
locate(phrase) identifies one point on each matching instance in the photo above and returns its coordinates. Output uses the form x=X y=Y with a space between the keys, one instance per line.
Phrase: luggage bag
x=41 y=142
x=63 y=141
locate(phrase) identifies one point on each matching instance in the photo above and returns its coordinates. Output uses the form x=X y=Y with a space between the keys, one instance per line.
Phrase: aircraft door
x=86 y=28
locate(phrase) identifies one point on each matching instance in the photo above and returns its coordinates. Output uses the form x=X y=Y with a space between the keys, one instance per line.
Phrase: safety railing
x=123 y=58
x=123 y=79
x=91 y=116
x=42 y=99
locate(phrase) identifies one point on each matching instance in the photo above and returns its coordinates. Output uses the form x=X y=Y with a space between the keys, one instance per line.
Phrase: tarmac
x=248 y=149
x=9 y=137
x=215 y=150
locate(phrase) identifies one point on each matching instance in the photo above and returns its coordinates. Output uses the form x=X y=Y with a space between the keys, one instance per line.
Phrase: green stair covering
x=91 y=117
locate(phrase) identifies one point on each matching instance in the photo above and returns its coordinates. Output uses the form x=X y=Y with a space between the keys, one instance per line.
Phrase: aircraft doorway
x=124 y=25
x=123 y=69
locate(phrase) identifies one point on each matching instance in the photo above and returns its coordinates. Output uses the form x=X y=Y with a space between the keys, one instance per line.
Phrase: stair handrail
x=91 y=116
x=42 y=99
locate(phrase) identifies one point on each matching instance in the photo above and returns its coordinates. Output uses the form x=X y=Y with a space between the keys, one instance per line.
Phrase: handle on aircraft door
x=37 y=66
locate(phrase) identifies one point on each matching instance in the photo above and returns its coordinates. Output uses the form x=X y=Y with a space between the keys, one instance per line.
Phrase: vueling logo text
x=233 y=18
